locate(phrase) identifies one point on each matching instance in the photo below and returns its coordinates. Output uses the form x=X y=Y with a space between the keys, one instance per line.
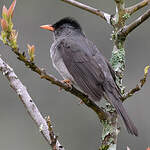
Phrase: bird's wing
x=86 y=72
x=103 y=63
x=100 y=59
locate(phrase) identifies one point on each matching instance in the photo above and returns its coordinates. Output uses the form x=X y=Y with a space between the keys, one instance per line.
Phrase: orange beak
x=47 y=27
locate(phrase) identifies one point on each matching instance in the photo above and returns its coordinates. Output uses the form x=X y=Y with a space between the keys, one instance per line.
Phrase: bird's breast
x=59 y=65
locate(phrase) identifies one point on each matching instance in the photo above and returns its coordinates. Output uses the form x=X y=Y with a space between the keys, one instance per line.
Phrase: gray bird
x=80 y=62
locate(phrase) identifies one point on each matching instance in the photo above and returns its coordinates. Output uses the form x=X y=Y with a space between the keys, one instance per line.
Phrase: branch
x=118 y=19
x=138 y=86
x=127 y=29
x=24 y=96
x=120 y=4
x=136 y=7
x=51 y=134
x=90 y=9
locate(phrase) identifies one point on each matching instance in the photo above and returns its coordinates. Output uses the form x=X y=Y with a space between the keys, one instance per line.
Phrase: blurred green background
x=76 y=125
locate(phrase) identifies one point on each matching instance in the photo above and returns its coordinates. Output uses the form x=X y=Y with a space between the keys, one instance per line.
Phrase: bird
x=81 y=63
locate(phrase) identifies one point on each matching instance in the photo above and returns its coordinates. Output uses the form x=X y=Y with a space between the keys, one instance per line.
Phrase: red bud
x=11 y=8
x=31 y=51
x=4 y=25
x=4 y=11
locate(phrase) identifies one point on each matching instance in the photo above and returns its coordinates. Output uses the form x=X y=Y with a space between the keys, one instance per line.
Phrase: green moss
x=107 y=130
x=126 y=16
x=118 y=59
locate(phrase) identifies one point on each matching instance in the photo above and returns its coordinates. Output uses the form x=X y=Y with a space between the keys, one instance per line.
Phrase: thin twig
x=131 y=92
x=90 y=9
x=138 y=86
x=26 y=99
x=136 y=7
x=51 y=134
x=127 y=29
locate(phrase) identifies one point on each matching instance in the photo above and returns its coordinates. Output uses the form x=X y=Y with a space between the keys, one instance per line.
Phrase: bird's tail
x=114 y=99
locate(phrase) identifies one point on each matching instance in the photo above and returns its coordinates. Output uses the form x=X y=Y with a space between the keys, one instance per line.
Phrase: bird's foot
x=67 y=82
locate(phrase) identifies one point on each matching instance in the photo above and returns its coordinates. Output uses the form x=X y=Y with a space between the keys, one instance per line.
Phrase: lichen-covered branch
x=111 y=129
x=90 y=9
x=127 y=29
x=136 y=7
x=28 y=102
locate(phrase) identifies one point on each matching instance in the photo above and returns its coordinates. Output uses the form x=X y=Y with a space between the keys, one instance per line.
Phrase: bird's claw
x=67 y=82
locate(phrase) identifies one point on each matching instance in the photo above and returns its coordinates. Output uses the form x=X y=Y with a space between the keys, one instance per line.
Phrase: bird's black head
x=67 y=22
x=64 y=27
